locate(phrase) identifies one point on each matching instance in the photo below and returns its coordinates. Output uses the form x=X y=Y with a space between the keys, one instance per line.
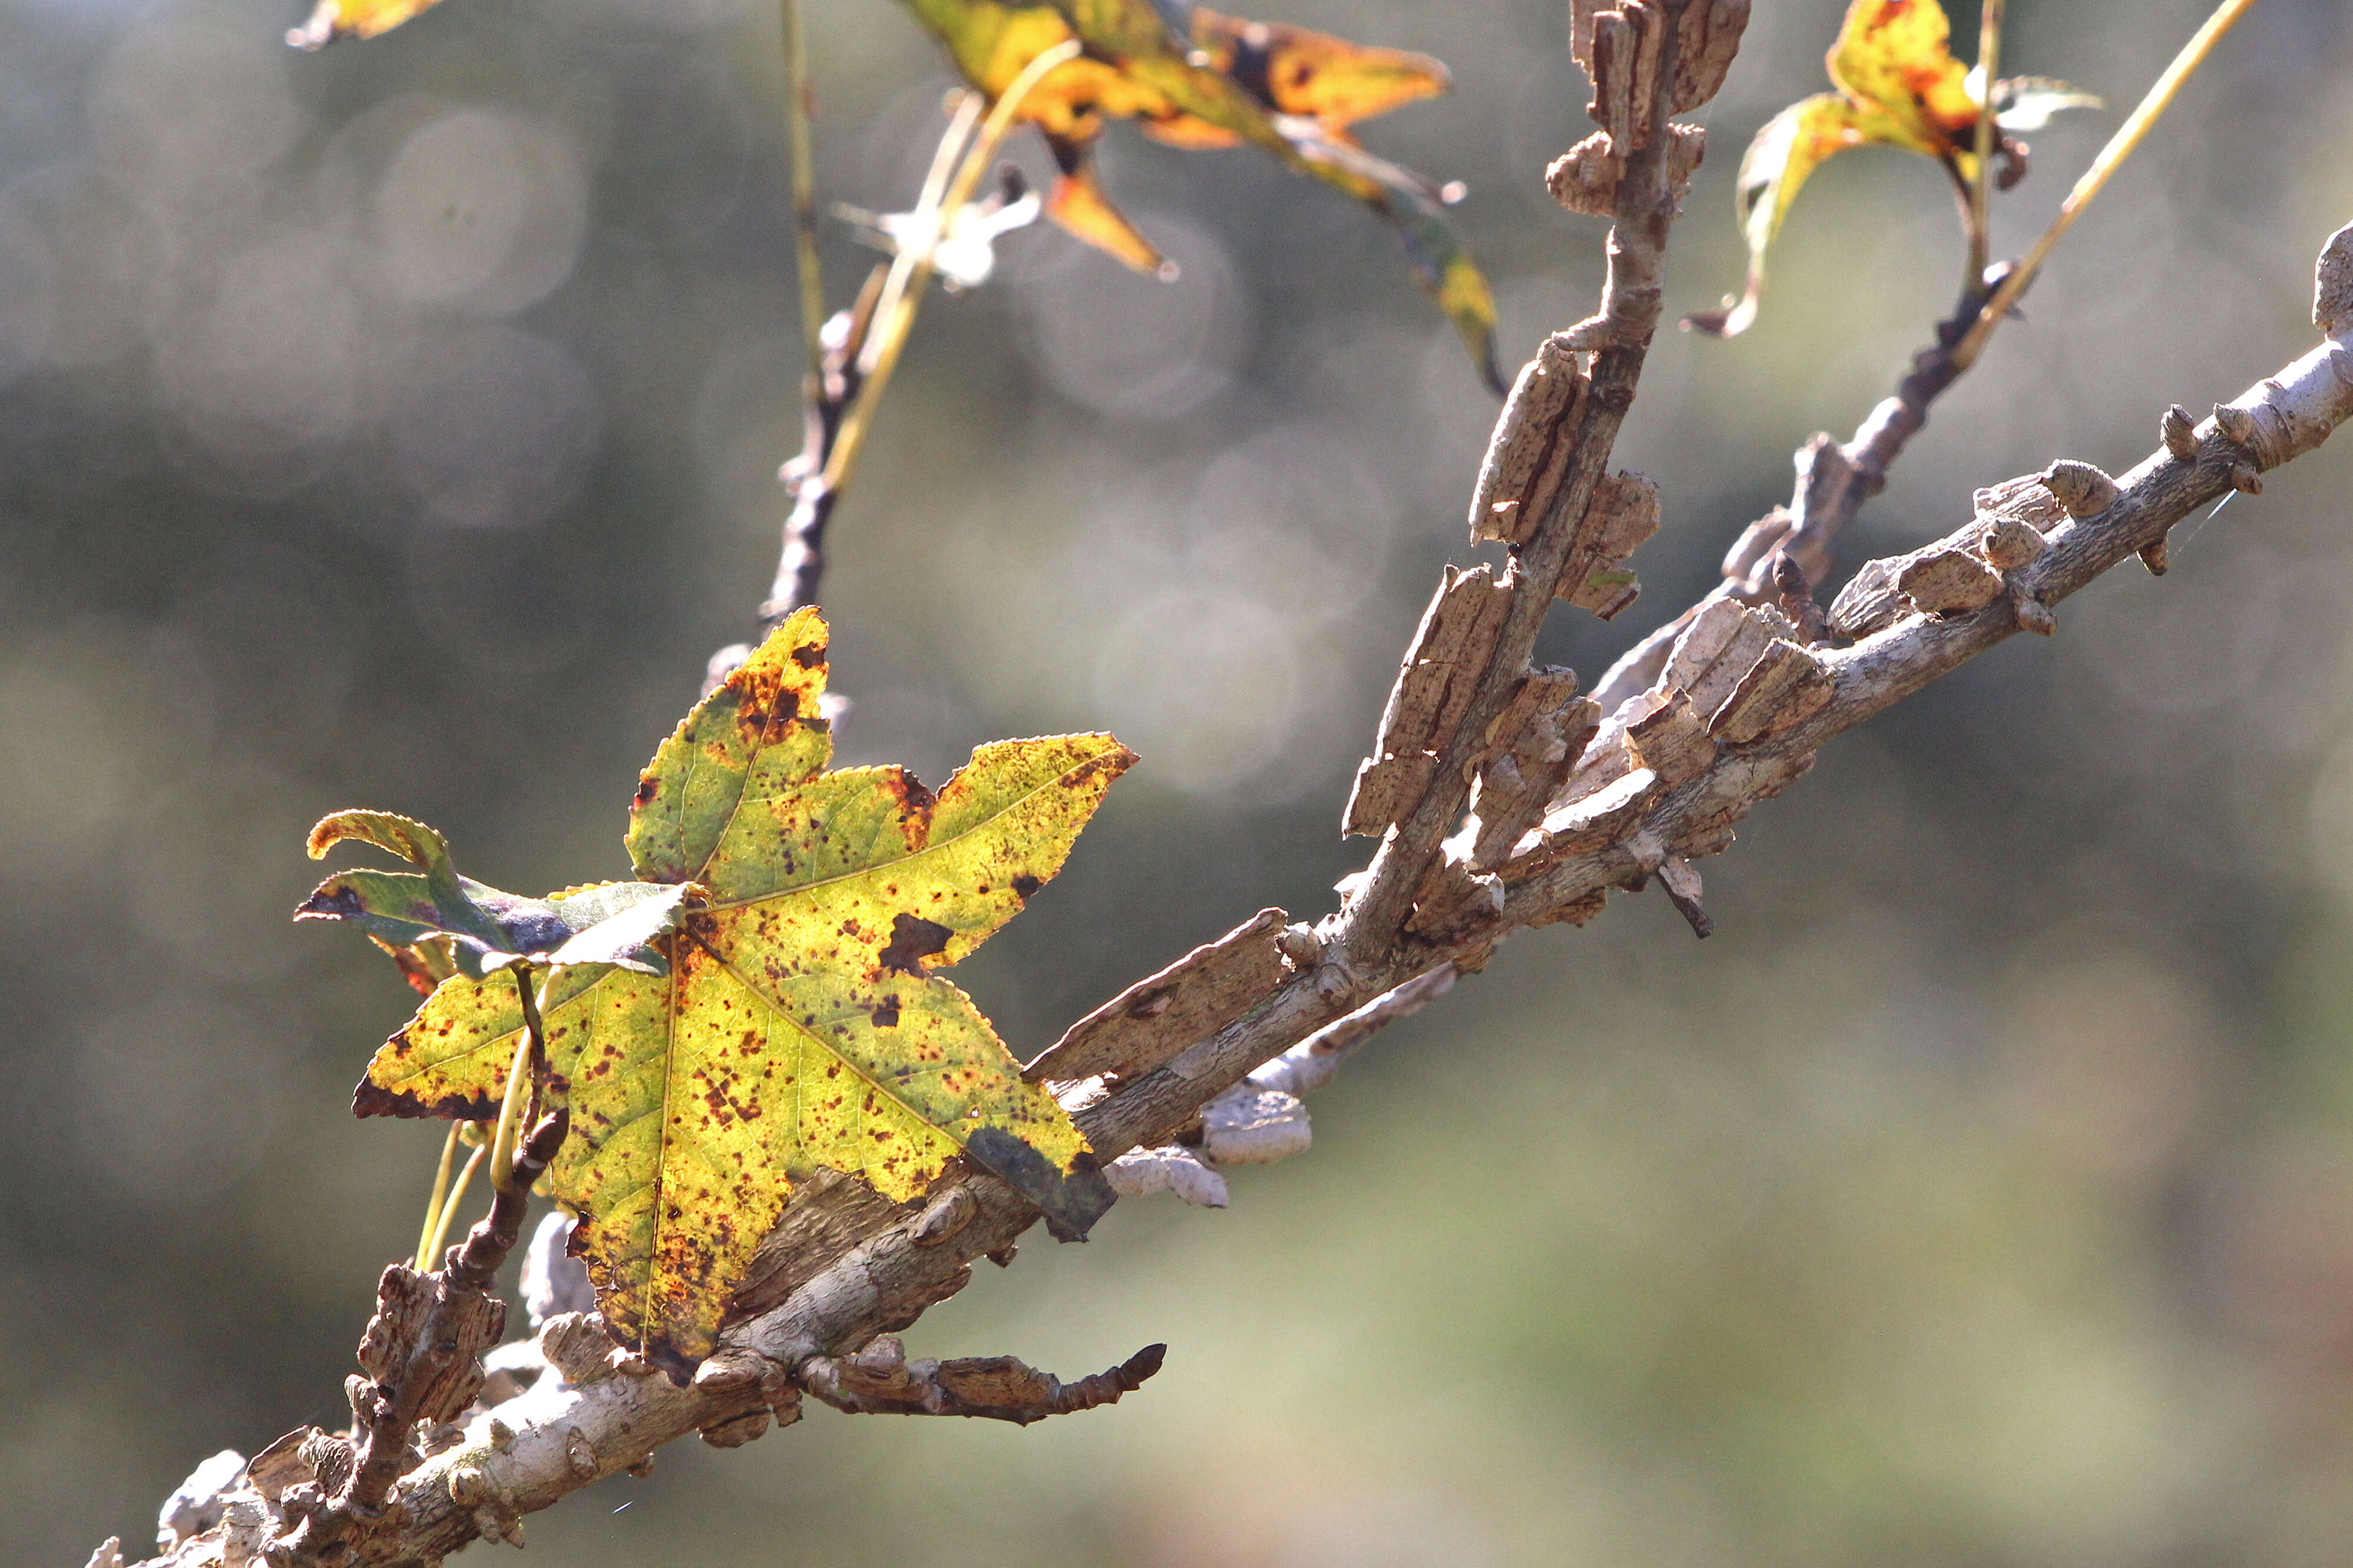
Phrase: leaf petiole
x=1980 y=205
x=519 y=1084
x=2120 y=146
x=440 y=1231
x=911 y=271
x=432 y=1227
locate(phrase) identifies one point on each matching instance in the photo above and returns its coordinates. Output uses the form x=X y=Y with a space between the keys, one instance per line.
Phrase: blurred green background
x=398 y=426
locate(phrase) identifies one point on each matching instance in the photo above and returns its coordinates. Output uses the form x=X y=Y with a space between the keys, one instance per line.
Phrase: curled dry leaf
x=1194 y=79
x=1897 y=86
x=435 y=919
x=795 y=1023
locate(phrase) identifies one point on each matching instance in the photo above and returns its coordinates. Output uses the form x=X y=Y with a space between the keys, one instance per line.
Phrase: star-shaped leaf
x=799 y=1024
x=1898 y=86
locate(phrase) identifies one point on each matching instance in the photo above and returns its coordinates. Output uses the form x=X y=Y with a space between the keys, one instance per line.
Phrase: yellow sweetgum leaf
x=799 y=1024
x=1898 y=86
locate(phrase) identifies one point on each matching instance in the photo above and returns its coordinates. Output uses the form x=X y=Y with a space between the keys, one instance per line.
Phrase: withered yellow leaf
x=796 y=1022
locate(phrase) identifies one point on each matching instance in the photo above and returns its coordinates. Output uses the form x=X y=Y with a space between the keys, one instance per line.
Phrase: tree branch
x=1736 y=713
x=881 y=1381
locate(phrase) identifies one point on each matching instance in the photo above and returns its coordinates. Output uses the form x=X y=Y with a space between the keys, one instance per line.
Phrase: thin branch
x=911 y=271
x=1981 y=188
x=881 y=1381
x=855 y=353
x=799 y=111
x=1642 y=42
x=422 y=1354
x=2120 y=146
x=1833 y=480
x=825 y=401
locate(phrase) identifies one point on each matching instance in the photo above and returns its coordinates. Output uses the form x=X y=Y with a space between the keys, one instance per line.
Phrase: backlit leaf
x=1898 y=86
x=799 y=1025
x=1895 y=57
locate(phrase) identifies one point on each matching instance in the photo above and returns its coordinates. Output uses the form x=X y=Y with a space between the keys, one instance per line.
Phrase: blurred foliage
x=400 y=423
x=1192 y=78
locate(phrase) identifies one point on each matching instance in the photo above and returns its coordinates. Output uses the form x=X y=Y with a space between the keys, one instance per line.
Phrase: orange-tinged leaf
x=1077 y=201
x=334 y=19
x=1292 y=70
x=797 y=1023
x=1289 y=92
x=1895 y=55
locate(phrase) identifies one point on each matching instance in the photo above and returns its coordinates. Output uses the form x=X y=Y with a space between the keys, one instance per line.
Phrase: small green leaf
x=402 y=909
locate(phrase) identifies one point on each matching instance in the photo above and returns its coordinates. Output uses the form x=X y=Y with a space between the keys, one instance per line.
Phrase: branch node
x=1301 y=948
x=1249 y=1125
x=881 y=1381
x=738 y=1430
x=1794 y=597
x=579 y=1347
x=2033 y=615
x=1171 y=1169
x=945 y=1215
x=2082 y=489
x=2332 y=285
x=2179 y=433
x=1679 y=878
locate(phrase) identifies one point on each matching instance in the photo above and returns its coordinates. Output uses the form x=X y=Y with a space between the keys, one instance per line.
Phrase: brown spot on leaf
x=886 y=1015
x=1026 y=886
x=372 y=1100
x=913 y=940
